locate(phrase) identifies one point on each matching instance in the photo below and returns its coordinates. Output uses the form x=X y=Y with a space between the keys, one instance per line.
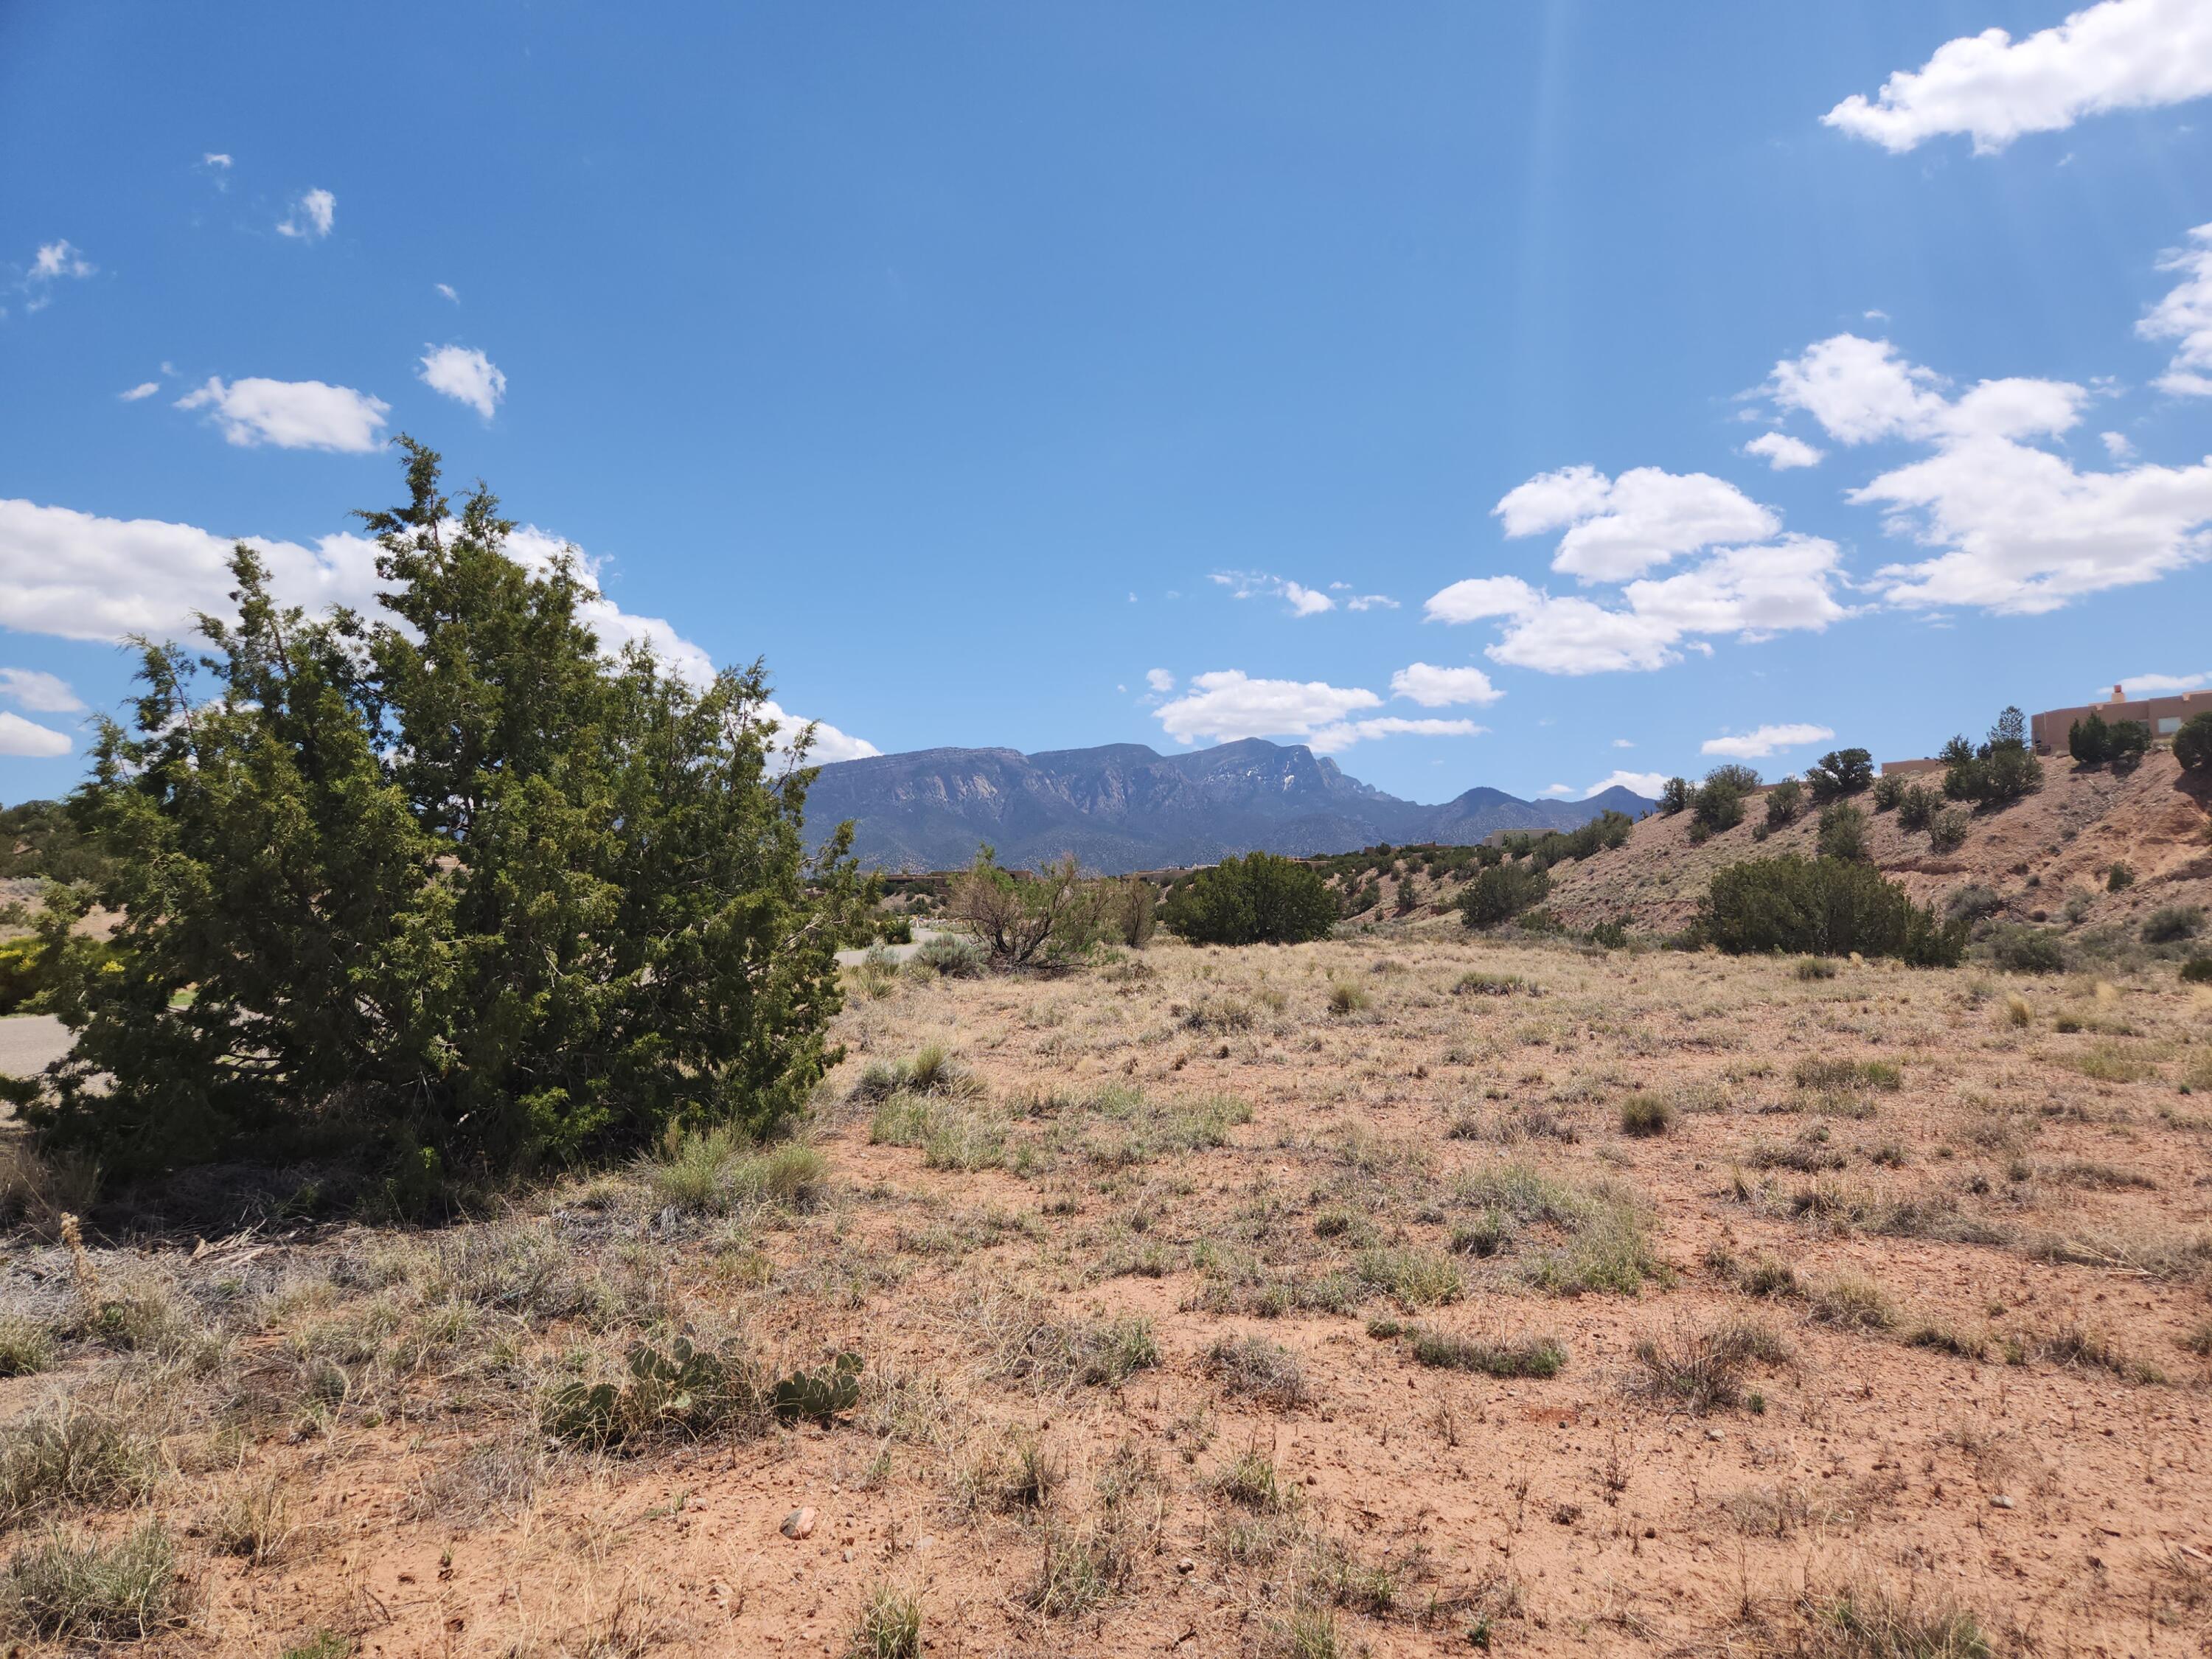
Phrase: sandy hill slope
x=2035 y=853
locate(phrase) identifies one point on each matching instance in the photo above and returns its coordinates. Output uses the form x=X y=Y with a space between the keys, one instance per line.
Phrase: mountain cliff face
x=1123 y=807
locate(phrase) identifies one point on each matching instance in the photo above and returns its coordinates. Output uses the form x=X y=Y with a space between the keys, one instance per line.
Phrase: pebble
x=799 y=1524
x=2001 y=1502
x=1715 y=1434
x=1186 y=1565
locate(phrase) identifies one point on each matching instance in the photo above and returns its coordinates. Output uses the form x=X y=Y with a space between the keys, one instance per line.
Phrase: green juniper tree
x=448 y=877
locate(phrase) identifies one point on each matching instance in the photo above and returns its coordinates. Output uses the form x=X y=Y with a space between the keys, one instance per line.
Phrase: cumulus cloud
x=2185 y=315
x=1370 y=602
x=143 y=389
x=79 y=576
x=464 y=374
x=40 y=692
x=1441 y=688
x=2158 y=685
x=1259 y=584
x=1556 y=790
x=292 y=414
x=27 y=739
x=311 y=216
x=1753 y=592
x=1342 y=734
x=1620 y=527
x=2119 y=54
x=1226 y=705
x=2016 y=528
x=215 y=159
x=54 y=262
x=1160 y=680
x=1647 y=784
x=2118 y=446
x=1782 y=451
x=1755 y=745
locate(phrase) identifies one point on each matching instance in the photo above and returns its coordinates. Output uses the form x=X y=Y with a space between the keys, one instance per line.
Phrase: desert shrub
x=1947 y=830
x=1605 y=1242
x=1841 y=772
x=1872 y=1624
x=1645 y=1115
x=1888 y=791
x=503 y=899
x=1785 y=801
x=1673 y=797
x=718 y=1171
x=26 y=1346
x=2022 y=950
x=1823 y=907
x=1719 y=803
x=68 y=1456
x=1346 y=999
x=950 y=956
x=1502 y=892
x=79 y=1589
x=2090 y=741
x=1917 y=806
x=1252 y=1365
x=2192 y=744
x=1851 y=1302
x=2171 y=923
x=2001 y=769
x=1413 y=1277
x=1474 y=983
x=1703 y=1371
x=2119 y=878
x=1843 y=833
x=1035 y=1347
x=1258 y=899
x=1538 y=1357
x=889 y=1627
x=1029 y=919
x=1813 y=968
x=2197 y=970
x=2130 y=742
x=1974 y=903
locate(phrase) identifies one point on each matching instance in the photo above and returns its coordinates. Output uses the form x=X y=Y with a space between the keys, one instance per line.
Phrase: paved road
x=28 y=1042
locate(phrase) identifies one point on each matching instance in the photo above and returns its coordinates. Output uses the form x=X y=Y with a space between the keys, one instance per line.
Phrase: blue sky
x=1047 y=376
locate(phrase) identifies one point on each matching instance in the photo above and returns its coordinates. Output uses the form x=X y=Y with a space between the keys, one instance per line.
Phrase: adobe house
x=2164 y=715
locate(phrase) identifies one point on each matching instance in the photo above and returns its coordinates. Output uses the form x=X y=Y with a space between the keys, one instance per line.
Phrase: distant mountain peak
x=1124 y=806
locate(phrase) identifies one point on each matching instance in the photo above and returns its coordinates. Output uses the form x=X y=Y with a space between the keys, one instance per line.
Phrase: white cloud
x=143 y=389
x=1342 y=734
x=2185 y=314
x=1160 y=680
x=1783 y=451
x=1751 y=591
x=1622 y=743
x=1755 y=745
x=1621 y=527
x=2019 y=528
x=447 y=289
x=1227 y=705
x=83 y=577
x=215 y=159
x=1440 y=688
x=1368 y=601
x=311 y=216
x=40 y=692
x=2119 y=54
x=54 y=262
x=24 y=739
x=464 y=374
x=1647 y=784
x=2158 y=685
x=1257 y=584
x=292 y=414
x=1556 y=789
x=2117 y=446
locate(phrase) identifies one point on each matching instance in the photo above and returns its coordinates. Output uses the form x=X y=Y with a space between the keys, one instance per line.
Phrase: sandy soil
x=1930 y=1339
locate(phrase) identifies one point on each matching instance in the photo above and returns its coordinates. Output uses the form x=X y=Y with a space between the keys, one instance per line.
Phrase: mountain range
x=1123 y=807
